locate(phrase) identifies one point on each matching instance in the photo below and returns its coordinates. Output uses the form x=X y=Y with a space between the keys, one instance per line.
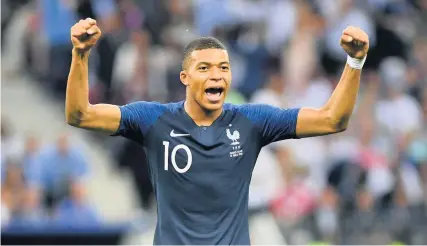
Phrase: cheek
x=228 y=78
x=197 y=87
x=228 y=81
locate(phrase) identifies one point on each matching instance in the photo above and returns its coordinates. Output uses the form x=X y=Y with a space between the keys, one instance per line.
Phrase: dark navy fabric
x=201 y=174
x=275 y=124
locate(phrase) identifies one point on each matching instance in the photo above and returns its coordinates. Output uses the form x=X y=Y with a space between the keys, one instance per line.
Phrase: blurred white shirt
x=280 y=17
x=12 y=147
x=315 y=95
x=399 y=116
x=338 y=21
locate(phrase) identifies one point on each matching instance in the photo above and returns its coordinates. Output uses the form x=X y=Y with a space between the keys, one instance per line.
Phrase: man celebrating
x=201 y=152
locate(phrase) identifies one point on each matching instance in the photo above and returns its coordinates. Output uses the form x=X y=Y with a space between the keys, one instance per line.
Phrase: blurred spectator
x=108 y=16
x=17 y=200
x=63 y=165
x=417 y=149
x=364 y=225
x=327 y=214
x=74 y=209
x=57 y=19
x=16 y=16
x=271 y=170
x=421 y=5
x=156 y=18
x=132 y=156
x=205 y=13
x=130 y=81
x=12 y=144
x=340 y=14
x=300 y=57
x=417 y=74
x=250 y=48
x=13 y=190
x=32 y=171
x=399 y=113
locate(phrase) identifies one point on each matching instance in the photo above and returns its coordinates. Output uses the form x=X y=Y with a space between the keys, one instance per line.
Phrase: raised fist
x=355 y=42
x=85 y=34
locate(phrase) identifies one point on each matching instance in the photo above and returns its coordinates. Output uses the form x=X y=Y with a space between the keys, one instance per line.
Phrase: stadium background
x=367 y=185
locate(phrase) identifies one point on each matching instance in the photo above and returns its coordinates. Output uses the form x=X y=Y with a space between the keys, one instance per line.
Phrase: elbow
x=338 y=124
x=341 y=128
x=74 y=118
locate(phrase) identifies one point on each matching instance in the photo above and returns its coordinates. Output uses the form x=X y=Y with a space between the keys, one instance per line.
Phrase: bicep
x=101 y=117
x=314 y=122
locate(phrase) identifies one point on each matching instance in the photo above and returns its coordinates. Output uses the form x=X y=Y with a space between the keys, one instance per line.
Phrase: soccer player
x=201 y=152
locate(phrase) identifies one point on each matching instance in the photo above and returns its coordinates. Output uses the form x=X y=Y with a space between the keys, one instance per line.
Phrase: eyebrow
x=208 y=63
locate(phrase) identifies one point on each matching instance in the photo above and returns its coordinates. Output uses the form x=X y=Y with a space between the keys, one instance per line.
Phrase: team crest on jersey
x=234 y=137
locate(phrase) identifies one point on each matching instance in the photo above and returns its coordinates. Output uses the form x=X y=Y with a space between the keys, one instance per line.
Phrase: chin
x=213 y=106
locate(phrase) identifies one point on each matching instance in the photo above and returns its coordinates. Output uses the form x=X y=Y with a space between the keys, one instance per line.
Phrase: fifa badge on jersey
x=235 y=144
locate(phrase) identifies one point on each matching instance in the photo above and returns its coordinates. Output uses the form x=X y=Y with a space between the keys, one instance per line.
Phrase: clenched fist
x=85 y=34
x=355 y=42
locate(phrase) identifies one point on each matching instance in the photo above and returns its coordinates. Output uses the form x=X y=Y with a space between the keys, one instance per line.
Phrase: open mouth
x=214 y=93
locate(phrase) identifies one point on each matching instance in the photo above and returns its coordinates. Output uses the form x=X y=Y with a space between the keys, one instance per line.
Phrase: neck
x=200 y=116
x=276 y=89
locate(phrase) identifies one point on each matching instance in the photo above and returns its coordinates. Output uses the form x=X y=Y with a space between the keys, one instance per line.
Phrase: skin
x=207 y=68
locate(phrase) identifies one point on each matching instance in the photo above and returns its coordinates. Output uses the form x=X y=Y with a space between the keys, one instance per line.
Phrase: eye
x=203 y=68
x=225 y=68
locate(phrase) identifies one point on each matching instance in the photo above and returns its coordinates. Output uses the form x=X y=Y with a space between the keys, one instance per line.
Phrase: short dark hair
x=201 y=43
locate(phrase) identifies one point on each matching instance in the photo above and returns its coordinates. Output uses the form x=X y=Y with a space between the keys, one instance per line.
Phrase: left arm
x=275 y=124
x=334 y=116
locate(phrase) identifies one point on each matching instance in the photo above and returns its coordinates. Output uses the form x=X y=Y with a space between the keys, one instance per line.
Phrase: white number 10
x=174 y=150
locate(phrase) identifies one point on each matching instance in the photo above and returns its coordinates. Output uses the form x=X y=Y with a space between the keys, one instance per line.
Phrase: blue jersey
x=201 y=175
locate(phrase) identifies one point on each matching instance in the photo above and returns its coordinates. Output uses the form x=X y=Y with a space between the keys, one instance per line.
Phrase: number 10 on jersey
x=173 y=157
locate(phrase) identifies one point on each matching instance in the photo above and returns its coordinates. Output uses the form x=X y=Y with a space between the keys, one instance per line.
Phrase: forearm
x=77 y=95
x=341 y=104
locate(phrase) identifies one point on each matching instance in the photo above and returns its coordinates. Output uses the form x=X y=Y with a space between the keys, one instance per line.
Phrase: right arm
x=78 y=111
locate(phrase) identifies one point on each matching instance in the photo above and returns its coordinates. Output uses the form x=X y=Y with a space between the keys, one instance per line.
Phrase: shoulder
x=138 y=117
x=141 y=105
x=173 y=107
x=153 y=108
x=251 y=111
x=243 y=109
x=264 y=113
x=253 y=108
x=229 y=107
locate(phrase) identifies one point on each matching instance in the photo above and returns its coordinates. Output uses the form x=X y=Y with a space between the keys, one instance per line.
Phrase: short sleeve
x=137 y=118
x=80 y=167
x=33 y=172
x=274 y=123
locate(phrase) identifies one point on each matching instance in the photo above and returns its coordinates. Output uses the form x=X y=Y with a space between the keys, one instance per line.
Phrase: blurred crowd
x=367 y=185
x=42 y=184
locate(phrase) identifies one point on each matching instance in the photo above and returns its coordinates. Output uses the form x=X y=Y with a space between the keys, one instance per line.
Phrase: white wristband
x=356 y=63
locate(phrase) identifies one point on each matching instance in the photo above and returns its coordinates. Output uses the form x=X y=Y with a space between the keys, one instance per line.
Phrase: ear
x=183 y=76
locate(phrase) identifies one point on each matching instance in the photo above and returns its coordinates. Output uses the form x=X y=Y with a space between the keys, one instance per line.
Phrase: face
x=62 y=144
x=14 y=176
x=365 y=200
x=31 y=145
x=276 y=83
x=208 y=77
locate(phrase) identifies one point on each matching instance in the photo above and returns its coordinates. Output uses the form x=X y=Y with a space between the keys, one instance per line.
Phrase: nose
x=216 y=74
